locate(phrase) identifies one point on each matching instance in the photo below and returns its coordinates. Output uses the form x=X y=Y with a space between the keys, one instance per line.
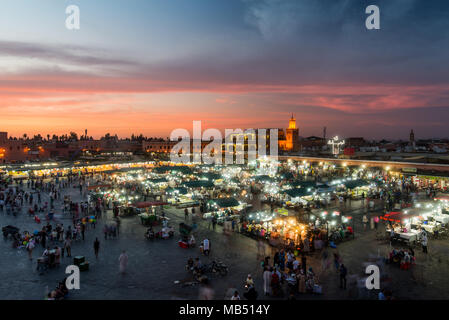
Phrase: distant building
x=158 y=146
x=355 y=142
x=313 y=143
x=3 y=137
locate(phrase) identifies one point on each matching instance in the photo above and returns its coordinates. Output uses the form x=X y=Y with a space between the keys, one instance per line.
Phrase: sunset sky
x=150 y=66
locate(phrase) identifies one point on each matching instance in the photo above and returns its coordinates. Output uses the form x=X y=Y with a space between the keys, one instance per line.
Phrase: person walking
x=83 y=229
x=96 y=247
x=123 y=262
x=336 y=261
x=365 y=222
x=371 y=220
x=105 y=231
x=343 y=272
x=117 y=224
x=324 y=260
x=304 y=263
x=260 y=250
x=267 y=281
x=68 y=247
x=209 y=222
x=30 y=247
x=114 y=230
x=424 y=243
x=214 y=222
x=206 y=247
x=282 y=260
x=302 y=282
x=43 y=239
x=186 y=214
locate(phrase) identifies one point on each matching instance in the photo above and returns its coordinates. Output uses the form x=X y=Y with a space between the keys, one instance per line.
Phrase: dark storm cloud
x=327 y=40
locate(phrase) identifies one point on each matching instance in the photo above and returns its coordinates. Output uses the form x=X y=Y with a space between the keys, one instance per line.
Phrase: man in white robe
x=123 y=260
x=267 y=282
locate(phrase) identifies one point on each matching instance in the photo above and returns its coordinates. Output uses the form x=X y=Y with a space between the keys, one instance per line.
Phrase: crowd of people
x=50 y=234
x=289 y=274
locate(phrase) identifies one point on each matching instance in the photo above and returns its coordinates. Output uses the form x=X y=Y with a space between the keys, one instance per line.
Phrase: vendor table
x=443 y=218
x=409 y=236
x=429 y=228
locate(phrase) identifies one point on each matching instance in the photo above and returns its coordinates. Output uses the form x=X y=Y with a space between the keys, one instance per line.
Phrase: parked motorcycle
x=213 y=267
x=217 y=267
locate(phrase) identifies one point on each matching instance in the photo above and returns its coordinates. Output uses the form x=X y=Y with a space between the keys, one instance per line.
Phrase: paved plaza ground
x=154 y=266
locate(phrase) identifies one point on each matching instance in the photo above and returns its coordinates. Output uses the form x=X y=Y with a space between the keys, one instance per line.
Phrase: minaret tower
x=292 y=135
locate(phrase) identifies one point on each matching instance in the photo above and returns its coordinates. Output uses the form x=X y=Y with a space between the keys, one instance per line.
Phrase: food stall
x=407 y=225
x=149 y=215
x=335 y=226
x=199 y=189
x=225 y=208
x=432 y=213
x=357 y=188
x=442 y=210
x=278 y=229
x=297 y=196
x=180 y=197
x=127 y=211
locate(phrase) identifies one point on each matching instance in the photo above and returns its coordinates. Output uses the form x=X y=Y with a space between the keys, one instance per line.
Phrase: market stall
x=225 y=208
x=296 y=196
x=282 y=231
x=357 y=188
x=407 y=226
x=180 y=197
x=149 y=215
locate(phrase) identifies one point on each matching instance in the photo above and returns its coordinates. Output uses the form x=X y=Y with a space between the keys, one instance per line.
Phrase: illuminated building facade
x=291 y=141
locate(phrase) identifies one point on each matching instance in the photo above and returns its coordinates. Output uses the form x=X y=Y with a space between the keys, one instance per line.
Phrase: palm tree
x=73 y=136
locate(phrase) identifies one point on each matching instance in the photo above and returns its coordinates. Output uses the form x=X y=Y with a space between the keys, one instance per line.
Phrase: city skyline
x=159 y=65
x=137 y=135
